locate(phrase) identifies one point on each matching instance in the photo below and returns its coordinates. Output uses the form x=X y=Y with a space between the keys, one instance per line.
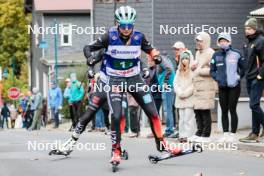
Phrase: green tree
x=14 y=37
x=19 y=82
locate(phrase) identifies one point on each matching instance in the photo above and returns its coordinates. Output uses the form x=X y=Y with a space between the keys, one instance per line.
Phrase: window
x=66 y=35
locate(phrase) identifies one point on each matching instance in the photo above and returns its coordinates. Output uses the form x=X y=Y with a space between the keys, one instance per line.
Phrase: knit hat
x=185 y=55
x=225 y=36
x=252 y=23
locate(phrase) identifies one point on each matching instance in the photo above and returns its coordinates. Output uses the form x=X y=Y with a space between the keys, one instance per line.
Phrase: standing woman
x=204 y=88
x=227 y=69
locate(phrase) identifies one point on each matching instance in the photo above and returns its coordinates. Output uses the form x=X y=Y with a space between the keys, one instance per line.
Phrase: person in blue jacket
x=55 y=102
x=227 y=69
x=166 y=75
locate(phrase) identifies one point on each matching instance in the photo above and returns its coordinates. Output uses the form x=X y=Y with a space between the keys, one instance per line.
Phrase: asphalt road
x=17 y=158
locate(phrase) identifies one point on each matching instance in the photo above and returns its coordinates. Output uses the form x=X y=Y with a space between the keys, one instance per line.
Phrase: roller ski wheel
x=124 y=155
x=115 y=166
x=65 y=149
x=154 y=159
x=58 y=152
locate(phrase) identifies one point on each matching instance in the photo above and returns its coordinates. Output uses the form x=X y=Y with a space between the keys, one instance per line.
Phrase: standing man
x=5 y=113
x=37 y=106
x=55 y=102
x=178 y=47
x=165 y=76
x=254 y=55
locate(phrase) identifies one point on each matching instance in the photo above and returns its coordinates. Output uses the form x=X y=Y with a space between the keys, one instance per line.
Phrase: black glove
x=91 y=61
x=157 y=59
x=90 y=74
x=146 y=73
x=88 y=55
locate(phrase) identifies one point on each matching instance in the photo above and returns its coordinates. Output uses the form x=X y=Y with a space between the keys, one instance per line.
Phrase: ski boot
x=115 y=160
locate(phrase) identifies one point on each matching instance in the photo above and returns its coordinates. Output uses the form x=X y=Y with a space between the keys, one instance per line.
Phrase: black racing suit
x=96 y=100
x=143 y=98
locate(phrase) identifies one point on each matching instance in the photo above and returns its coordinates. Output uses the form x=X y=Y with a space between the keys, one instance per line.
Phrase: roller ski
x=66 y=148
x=154 y=159
x=115 y=160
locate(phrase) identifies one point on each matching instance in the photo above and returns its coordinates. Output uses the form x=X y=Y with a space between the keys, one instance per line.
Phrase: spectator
x=5 y=115
x=165 y=76
x=204 y=87
x=134 y=116
x=19 y=120
x=44 y=112
x=30 y=109
x=75 y=98
x=254 y=55
x=99 y=121
x=66 y=95
x=37 y=106
x=55 y=102
x=23 y=104
x=13 y=115
x=26 y=102
x=153 y=83
x=105 y=109
x=179 y=47
x=183 y=86
x=227 y=68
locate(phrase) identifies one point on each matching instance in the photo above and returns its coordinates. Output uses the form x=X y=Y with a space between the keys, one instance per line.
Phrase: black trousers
x=76 y=112
x=228 y=98
x=204 y=122
x=106 y=118
x=255 y=89
x=72 y=116
x=142 y=97
x=29 y=118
